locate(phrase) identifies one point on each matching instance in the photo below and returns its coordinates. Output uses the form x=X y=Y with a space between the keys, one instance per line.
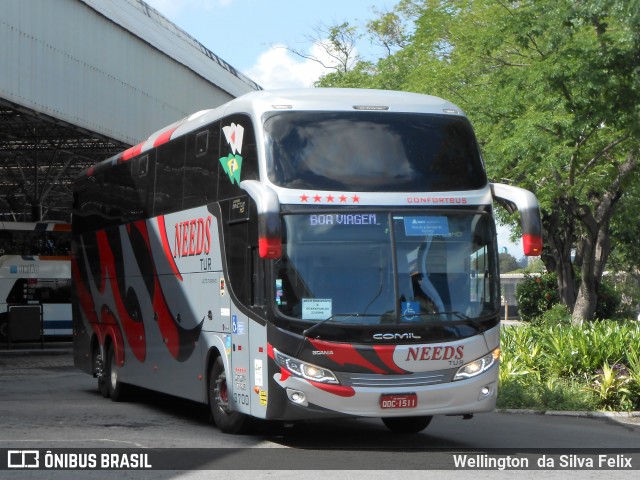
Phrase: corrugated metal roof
x=148 y=24
x=83 y=79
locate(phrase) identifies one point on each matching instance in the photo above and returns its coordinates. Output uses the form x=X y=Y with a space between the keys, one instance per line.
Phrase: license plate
x=403 y=400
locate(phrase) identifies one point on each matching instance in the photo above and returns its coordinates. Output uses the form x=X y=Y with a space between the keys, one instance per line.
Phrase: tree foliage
x=553 y=90
x=508 y=263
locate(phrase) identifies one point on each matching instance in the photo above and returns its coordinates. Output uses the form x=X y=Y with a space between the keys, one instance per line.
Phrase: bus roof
x=322 y=99
x=312 y=99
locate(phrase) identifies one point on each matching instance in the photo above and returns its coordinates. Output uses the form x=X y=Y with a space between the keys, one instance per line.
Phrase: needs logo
x=192 y=237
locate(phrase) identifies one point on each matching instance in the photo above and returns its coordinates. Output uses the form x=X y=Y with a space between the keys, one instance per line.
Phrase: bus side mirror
x=521 y=200
x=269 y=223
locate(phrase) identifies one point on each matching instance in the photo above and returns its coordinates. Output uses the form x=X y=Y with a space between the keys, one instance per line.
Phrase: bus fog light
x=485 y=391
x=297 y=396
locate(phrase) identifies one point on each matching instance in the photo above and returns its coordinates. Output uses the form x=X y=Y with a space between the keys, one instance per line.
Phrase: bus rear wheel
x=407 y=424
x=227 y=420
x=99 y=372
x=117 y=390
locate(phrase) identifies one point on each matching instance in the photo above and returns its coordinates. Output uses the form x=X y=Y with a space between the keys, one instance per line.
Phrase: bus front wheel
x=407 y=424
x=227 y=420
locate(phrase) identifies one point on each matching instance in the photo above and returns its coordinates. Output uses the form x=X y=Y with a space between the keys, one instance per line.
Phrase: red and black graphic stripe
x=367 y=358
x=178 y=340
x=113 y=274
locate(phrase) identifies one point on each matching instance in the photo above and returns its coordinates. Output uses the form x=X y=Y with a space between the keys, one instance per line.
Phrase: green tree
x=338 y=46
x=508 y=263
x=554 y=92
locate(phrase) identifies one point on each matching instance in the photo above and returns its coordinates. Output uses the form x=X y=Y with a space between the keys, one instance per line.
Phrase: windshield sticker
x=411 y=311
x=279 y=292
x=344 y=219
x=257 y=373
x=232 y=163
x=237 y=326
x=420 y=226
x=234 y=134
x=316 y=308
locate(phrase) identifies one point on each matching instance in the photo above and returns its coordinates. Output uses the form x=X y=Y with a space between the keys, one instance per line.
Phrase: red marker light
x=532 y=245
x=270 y=247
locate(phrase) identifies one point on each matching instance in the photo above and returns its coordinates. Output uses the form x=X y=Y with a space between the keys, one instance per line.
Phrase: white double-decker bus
x=35 y=279
x=298 y=254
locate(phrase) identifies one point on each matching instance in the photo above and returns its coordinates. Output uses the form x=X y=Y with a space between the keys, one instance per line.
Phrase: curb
x=17 y=350
x=33 y=353
x=631 y=419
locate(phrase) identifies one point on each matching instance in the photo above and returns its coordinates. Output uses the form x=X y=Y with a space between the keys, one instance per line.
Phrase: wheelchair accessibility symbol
x=410 y=311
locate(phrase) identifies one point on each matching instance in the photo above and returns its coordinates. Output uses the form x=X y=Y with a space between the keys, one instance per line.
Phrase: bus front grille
x=413 y=380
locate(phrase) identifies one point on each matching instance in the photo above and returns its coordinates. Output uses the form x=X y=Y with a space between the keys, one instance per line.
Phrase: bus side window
x=142 y=176
x=246 y=268
x=238 y=261
x=169 y=173
x=258 y=292
x=201 y=169
x=87 y=208
x=118 y=181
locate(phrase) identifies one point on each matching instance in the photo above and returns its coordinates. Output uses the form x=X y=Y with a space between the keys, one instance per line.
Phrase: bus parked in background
x=298 y=254
x=35 y=276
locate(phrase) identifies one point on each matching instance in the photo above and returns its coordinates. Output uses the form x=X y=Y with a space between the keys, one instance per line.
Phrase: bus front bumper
x=473 y=395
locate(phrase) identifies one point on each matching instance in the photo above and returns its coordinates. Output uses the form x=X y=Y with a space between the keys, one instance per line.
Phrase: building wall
x=107 y=66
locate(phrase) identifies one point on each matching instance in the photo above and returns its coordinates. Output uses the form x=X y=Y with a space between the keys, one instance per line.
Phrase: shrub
x=551 y=365
x=609 y=300
x=552 y=394
x=537 y=294
x=558 y=314
x=611 y=385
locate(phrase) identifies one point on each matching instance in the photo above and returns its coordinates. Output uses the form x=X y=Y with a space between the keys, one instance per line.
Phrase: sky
x=256 y=36
x=251 y=35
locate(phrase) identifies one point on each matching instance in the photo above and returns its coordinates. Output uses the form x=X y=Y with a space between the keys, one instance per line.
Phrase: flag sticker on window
x=232 y=163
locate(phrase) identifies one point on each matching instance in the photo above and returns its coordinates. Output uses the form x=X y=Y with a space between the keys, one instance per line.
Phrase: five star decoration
x=329 y=199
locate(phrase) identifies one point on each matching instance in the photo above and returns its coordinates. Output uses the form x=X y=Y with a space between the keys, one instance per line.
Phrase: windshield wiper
x=306 y=332
x=461 y=317
x=347 y=316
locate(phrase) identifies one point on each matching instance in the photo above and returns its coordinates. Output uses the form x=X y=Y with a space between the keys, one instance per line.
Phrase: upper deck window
x=372 y=151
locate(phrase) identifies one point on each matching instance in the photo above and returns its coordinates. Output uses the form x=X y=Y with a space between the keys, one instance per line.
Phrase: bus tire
x=99 y=371
x=407 y=424
x=227 y=420
x=117 y=390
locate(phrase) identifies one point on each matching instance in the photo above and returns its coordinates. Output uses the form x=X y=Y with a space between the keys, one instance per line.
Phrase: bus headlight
x=479 y=366
x=303 y=369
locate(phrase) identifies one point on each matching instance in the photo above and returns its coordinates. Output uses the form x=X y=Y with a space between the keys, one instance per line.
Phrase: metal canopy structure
x=39 y=158
x=81 y=80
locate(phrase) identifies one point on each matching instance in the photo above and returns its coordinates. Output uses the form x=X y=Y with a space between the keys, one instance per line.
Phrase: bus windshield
x=387 y=268
x=35 y=239
x=372 y=152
